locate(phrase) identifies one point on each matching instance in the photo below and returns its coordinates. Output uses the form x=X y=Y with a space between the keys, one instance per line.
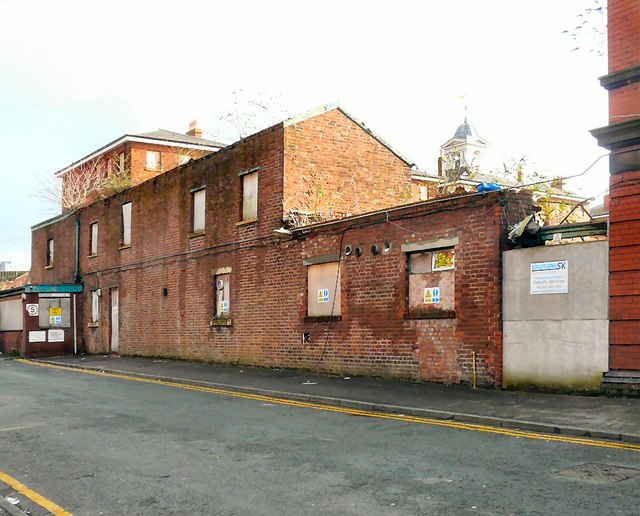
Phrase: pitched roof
x=172 y=136
x=162 y=136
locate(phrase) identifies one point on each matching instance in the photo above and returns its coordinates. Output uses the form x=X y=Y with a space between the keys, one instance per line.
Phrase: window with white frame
x=95 y=306
x=198 y=198
x=50 y=248
x=153 y=160
x=323 y=286
x=250 y=196
x=222 y=296
x=126 y=224
x=93 y=239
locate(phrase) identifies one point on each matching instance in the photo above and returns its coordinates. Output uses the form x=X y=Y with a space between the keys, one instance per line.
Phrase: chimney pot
x=194 y=130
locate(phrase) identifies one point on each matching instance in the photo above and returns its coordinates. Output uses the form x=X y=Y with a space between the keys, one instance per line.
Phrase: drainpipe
x=77 y=271
x=75 y=326
x=76 y=280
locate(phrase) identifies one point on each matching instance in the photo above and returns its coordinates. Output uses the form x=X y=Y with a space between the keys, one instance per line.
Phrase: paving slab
x=595 y=416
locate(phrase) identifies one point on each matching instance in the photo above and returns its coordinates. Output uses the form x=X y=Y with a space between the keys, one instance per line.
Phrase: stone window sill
x=123 y=246
x=222 y=321
x=322 y=318
x=92 y=255
x=246 y=222
x=48 y=266
x=197 y=234
x=434 y=313
x=92 y=325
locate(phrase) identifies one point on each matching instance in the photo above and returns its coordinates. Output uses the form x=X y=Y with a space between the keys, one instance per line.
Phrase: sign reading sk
x=549 y=277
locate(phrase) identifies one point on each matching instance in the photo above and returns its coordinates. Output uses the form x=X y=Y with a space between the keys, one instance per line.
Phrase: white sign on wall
x=56 y=336
x=549 y=277
x=37 y=336
x=32 y=309
x=431 y=295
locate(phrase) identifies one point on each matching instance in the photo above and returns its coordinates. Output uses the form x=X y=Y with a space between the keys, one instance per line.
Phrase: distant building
x=461 y=169
x=128 y=161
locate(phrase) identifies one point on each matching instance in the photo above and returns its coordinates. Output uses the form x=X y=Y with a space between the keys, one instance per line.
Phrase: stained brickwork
x=165 y=278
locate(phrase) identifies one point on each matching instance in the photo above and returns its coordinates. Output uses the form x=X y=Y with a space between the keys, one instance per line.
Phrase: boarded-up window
x=93 y=238
x=95 y=306
x=432 y=283
x=250 y=196
x=54 y=311
x=153 y=160
x=198 y=203
x=126 y=224
x=11 y=316
x=50 y=247
x=323 y=281
x=222 y=296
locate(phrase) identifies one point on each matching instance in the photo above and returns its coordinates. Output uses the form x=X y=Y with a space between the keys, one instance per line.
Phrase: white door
x=114 y=320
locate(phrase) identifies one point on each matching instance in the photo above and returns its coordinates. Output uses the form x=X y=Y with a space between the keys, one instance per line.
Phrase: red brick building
x=219 y=259
x=128 y=161
x=622 y=137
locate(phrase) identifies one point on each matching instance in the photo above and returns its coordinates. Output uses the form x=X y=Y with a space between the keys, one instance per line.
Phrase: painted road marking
x=356 y=412
x=33 y=496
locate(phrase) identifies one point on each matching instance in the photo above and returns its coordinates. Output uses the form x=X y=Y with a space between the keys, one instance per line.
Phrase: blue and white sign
x=431 y=295
x=323 y=295
x=549 y=277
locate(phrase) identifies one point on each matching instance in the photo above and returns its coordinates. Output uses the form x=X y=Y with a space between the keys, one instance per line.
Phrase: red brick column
x=622 y=137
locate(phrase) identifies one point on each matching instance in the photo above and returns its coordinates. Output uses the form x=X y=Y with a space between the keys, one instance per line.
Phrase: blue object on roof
x=488 y=187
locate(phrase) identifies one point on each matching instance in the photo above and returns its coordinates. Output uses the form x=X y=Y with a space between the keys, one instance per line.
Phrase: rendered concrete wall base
x=562 y=355
x=556 y=341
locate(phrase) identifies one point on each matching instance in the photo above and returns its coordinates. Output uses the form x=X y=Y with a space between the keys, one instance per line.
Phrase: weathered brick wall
x=334 y=166
x=269 y=281
x=162 y=246
x=63 y=269
x=624 y=207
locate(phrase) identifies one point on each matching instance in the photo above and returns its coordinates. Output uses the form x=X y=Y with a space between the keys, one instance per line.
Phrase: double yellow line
x=33 y=496
x=58 y=511
x=356 y=412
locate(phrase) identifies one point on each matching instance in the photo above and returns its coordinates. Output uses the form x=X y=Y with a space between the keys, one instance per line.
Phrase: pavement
x=597 y=417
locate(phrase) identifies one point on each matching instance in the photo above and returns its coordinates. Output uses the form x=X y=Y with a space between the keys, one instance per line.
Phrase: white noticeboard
x=56 y=336
x=549 y=277
x=37 y=336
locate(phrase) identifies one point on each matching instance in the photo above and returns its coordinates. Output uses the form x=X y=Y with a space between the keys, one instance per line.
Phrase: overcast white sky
x=75 y=75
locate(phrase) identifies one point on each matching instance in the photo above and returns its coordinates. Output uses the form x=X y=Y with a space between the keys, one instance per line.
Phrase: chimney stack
x=194 y=130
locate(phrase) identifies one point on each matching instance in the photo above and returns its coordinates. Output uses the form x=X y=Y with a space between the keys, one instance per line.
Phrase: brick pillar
x=622 y=137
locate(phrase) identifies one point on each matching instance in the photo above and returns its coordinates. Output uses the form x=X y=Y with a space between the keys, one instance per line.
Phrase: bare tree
x=86 y=183
x=246 y=113
x=590 y=33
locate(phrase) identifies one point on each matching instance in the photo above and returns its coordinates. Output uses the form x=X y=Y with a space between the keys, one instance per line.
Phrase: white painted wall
x=11 y=315
x=556 y=340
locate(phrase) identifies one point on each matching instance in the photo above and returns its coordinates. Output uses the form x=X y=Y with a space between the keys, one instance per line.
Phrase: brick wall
x=624 y=208
x=165 y=278
x=334 y=166
x=623 y=34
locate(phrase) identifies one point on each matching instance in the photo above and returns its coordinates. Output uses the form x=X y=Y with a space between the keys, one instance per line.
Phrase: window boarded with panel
x=323 y=289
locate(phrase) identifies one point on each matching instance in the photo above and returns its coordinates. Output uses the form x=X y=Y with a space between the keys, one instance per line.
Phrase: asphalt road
x=96 y=445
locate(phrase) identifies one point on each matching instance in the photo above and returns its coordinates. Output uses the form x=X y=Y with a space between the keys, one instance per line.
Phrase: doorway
x=115 y=321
